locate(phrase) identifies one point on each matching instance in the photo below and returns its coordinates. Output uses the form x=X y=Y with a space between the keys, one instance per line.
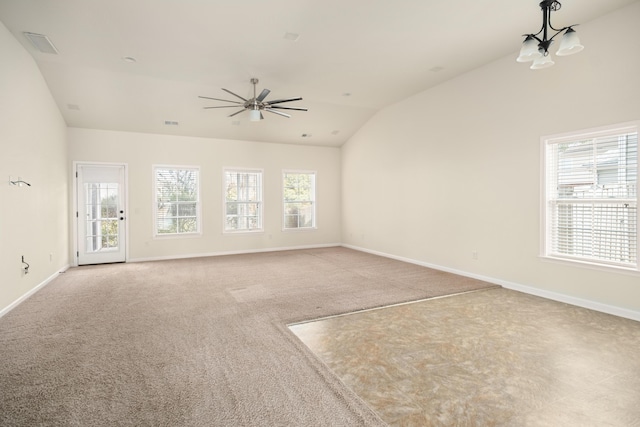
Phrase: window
x=243 y=200
x=177 y=205
x=299 y=189
x=591 y=198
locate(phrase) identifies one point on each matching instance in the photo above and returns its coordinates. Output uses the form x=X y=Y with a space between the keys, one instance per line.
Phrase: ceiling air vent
x=42 y=43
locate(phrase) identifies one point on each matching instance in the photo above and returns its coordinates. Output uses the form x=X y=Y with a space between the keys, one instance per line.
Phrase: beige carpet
x=196 y=342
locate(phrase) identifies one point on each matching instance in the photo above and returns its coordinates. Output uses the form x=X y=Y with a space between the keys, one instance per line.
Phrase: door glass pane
x=102 y=222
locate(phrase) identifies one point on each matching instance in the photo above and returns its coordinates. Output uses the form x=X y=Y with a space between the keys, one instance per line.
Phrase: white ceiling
x=378 y=51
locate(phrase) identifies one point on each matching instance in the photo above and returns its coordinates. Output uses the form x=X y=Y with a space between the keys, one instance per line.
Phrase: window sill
x=299 y=230
x=177 y=236
x=241 y=232
x=591 y=265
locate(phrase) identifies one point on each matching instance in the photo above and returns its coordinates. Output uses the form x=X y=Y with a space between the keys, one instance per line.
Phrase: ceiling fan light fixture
x=254 y=115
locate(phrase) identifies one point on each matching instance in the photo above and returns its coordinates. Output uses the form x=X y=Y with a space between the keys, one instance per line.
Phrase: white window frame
x=177 y=234
x=314 y=225
x=547 y=199
x=260 y=201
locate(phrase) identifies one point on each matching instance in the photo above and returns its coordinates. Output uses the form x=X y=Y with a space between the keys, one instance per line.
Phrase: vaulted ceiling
x=134 y=65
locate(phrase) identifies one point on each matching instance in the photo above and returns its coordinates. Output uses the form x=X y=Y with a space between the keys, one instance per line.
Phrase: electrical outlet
x=474 y=255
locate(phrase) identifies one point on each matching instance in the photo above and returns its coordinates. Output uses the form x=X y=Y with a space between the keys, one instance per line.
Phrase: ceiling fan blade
x=237 y=112
x=263 y=94
x=288 y=108
x=221 y=106
x=278 y=101
x=236 y=95
x=277 y=112
x=218 y=99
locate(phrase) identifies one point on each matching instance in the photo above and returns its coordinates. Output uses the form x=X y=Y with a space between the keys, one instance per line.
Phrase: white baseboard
x=41 y=285
x=242 y=252
x=555 y=296
x=580 y=302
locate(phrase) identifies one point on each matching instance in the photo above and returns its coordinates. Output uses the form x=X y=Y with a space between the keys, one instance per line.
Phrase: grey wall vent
x=42 y=43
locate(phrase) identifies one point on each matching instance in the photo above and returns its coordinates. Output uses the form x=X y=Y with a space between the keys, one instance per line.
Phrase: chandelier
x=536 y=49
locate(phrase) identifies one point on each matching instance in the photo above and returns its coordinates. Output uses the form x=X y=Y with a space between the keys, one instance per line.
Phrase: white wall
x=456 y=169
x=33 y=220
x=141 y=151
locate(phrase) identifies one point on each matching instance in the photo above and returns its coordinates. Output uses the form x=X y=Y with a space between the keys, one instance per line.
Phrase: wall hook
x=26 y=269
x=18 y=182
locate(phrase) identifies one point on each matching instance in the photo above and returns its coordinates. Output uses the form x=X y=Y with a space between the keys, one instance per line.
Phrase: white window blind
x=299 y=194
x=243 y=200
x=177 y=208
x=591 y=197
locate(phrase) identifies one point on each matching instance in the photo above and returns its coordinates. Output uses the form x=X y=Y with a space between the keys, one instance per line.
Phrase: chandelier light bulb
x=529 y=50
x=569 y=44
x=544 y=61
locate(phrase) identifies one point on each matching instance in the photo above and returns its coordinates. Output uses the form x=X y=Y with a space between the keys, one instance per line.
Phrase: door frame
x=74 y=206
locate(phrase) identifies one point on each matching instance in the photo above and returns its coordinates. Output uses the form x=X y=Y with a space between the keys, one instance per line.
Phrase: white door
x=101 y=213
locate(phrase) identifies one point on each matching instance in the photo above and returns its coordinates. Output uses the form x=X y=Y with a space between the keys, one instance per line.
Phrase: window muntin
x=177 y=200
x=591 y=197
x=102 y=223
x=299 y=200
x=243 y=204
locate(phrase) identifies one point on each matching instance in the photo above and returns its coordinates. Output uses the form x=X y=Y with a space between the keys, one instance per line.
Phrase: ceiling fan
x=257 y=104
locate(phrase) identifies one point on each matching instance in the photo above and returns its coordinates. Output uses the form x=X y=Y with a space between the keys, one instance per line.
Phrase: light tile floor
x=488 y=358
